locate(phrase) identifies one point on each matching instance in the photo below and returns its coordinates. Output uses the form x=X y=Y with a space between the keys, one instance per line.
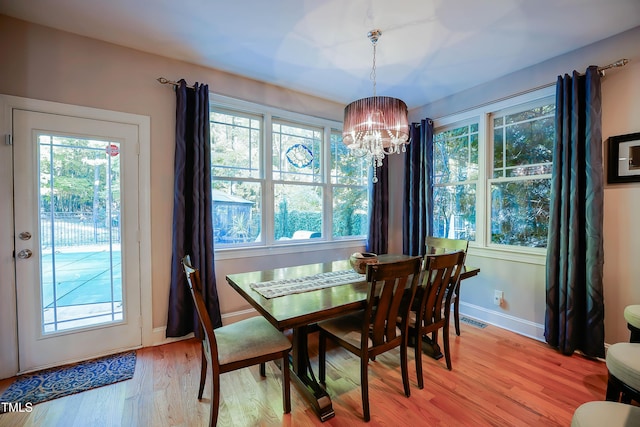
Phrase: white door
x=76 y=238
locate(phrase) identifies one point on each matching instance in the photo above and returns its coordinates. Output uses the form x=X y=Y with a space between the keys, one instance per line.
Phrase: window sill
x=287 y=249
x=537 y=256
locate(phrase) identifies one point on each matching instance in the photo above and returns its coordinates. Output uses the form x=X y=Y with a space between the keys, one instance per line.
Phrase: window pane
x=346 y=168
x=235 y=144
x=350 y=215
x=297 y=155
x=520 y=212
x=297 y=211
x=454 y=211
x=236 y=212
x=530 y=142
x=455 y=155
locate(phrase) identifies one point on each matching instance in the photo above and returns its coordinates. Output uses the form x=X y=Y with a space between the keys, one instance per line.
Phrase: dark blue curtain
x=417 y=220
x=378 y=241
x=575 y=305
x=192 y=205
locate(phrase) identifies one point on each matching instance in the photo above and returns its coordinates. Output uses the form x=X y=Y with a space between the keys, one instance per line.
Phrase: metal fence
x=77 y=229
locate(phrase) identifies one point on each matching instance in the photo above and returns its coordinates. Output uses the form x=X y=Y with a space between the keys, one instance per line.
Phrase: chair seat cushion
x=610 y=414
x=249 y=338
x=623 y=362
x=632 y=315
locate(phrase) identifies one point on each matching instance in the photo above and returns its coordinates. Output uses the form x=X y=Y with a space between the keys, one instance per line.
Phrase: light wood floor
x=499 y=379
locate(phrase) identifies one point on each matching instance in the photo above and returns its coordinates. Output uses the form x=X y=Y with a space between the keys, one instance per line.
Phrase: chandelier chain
x=373 y=70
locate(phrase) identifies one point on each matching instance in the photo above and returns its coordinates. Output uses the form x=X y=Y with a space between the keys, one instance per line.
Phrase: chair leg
x=215 y=400
x=635 y=334
x=456 y=313
x=263 y=370
x=613 y=391
x=405 y=370
x=445 y=339
x=364 y=387
x=322 y=349
x=286 y=384
x=418 y=357
x=203 y=372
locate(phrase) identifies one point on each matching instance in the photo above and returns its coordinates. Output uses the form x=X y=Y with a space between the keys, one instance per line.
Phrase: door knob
x=25 y=235
x=24 y=254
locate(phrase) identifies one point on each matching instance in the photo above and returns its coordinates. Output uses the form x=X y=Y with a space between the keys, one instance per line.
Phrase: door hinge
x=8 y=140
x=140 y=322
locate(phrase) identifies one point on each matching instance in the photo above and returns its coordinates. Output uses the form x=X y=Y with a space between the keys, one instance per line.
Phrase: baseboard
x=504 y=321
x=501 y=320
x=160 y=333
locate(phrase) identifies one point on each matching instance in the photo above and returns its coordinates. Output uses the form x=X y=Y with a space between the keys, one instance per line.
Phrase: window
x=503 y=200
x=294 y=182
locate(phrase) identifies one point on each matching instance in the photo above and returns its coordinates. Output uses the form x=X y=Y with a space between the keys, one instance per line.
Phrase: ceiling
x=429 y=48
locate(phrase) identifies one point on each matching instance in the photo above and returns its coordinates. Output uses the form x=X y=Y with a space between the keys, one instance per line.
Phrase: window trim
x=269 y=114
x=482 y=246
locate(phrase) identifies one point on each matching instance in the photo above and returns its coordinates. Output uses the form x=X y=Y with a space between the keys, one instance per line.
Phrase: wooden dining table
x=301 y=311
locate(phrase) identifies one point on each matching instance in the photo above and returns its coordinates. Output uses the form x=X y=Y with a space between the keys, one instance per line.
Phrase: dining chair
x=373 y=330
x=623 y=366
x=237 y=345
x=440 y=276
x=440 y=245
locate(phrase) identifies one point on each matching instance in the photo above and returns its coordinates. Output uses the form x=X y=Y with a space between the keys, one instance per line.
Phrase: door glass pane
x=79 y=223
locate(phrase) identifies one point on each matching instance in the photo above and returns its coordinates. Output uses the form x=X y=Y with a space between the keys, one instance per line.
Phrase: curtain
x=574 y=317
x=417 y=220
x=192 y=205
x=378 y=241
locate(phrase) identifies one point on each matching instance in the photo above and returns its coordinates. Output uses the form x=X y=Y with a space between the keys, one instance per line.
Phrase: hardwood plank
x=498 y=379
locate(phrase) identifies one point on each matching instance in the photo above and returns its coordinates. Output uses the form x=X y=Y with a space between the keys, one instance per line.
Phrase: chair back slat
x=390 y=285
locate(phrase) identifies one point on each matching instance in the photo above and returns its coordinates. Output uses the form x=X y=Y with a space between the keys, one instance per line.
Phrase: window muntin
x=296 y=194
x=455 y=158
x=236 y=144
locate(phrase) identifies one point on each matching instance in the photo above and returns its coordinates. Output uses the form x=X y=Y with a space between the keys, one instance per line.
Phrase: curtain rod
x=164 y=81
x=619 y=63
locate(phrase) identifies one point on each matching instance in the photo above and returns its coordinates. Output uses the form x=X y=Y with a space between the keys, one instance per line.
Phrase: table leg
x=302 y=375
x=430 y=348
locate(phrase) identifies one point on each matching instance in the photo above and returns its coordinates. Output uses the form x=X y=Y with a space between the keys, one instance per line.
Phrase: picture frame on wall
x=624 y=158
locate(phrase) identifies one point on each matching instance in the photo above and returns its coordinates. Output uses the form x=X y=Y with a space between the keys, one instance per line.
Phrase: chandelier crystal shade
x=376 y=126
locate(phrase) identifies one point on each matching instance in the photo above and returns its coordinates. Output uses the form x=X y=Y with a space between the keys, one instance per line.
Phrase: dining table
x=297 y=298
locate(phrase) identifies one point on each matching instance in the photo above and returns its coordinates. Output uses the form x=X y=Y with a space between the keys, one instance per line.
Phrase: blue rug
x=70 y=379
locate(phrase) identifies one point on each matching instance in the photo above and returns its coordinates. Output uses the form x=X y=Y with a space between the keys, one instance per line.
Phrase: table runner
x=278 y=288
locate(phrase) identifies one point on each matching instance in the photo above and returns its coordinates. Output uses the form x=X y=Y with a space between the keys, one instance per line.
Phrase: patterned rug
x=70 y=379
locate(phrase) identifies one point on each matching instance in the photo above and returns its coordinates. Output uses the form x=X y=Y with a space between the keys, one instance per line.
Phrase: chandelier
x=376 y=126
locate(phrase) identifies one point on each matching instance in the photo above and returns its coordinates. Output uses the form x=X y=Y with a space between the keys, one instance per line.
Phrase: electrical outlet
x=498 y=297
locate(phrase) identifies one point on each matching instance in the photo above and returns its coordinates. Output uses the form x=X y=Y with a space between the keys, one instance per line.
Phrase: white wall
x=524 y=283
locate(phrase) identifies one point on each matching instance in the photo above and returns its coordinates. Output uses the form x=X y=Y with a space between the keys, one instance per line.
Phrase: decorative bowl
x=359 y=261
